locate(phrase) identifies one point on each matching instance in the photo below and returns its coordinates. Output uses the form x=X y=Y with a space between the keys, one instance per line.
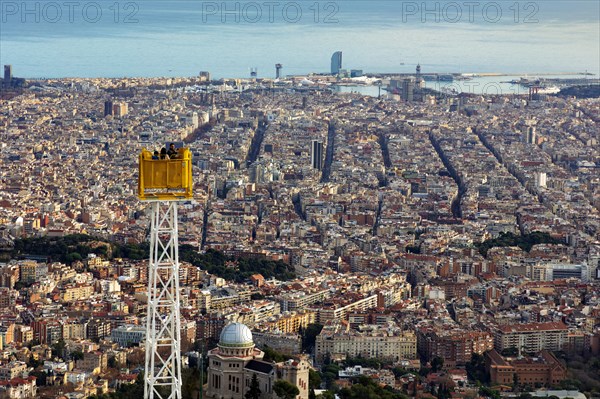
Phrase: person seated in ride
x=163 y=153
x=155 y=156
x=172 y=153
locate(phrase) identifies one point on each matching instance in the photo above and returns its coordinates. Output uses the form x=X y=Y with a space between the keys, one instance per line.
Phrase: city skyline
x=300 y=200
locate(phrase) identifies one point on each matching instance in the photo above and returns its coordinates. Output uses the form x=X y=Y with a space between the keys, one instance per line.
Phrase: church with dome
x=235 y=360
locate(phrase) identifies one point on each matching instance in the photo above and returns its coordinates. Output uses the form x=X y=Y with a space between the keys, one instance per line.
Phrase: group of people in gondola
x=171 y=153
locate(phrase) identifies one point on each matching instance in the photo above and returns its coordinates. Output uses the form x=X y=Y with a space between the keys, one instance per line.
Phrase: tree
x=285 y=390
x=443 y=392
x=40 y=377
x=512 y=351
x=326 y=395
x=525 y=242
x=489 y=392
x=76 y=355
x=32 y=362
x=136 y=358
x=190 y=386
x=330 y=373
x=58 y=348
x=476 y=369
x=413 y=249
x=275 y=356
x=135 y=390
x=364 y=387
x=367 y=362
x=309 y=336
x=254 y=390
x=72 y=257
x=437 y=364
x=314 y=379
x=345 y=393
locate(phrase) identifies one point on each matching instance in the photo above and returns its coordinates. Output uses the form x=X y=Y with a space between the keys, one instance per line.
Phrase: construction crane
x=164 y=183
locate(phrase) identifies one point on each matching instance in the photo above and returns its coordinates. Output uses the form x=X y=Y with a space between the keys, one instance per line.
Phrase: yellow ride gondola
x=165 y=179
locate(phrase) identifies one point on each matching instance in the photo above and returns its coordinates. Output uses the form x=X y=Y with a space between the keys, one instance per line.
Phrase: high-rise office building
x=541 y=179
x=530 y=135
x=336 y=62
x=108 y=108
x=316 y=155
x=7 y=73
x=408 y=89
x=204 y=76
x=120 y=109
x=278 y=70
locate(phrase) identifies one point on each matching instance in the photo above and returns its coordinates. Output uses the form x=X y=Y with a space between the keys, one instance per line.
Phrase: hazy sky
x=159 y=38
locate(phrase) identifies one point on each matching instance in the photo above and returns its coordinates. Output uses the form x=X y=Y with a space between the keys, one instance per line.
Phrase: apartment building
x=128 y=335
x=299 y=300
x=455 y=347
x=338 y=312
x=531 y=337
x=371 y=341
x=12 y=370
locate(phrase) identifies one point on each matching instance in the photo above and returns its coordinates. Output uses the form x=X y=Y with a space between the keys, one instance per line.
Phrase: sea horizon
x=488 y=75
x=181 y=38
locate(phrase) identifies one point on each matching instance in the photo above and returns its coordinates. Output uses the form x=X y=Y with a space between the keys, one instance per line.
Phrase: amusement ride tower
x=164 y=183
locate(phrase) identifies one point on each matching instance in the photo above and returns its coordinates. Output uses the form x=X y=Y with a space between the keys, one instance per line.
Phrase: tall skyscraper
x=316 y=155
x=336 y=62
x=204 y=76
x=541 y=179
x=530 y=135
x=120 y=109
x=108 y=107
x=408 y=88
x=7 y=74
x=278 y=70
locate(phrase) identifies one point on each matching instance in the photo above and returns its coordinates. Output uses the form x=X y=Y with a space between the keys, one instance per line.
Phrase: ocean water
x=227 y=38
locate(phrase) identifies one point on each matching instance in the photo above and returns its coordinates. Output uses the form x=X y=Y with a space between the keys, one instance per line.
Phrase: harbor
x=481 y=83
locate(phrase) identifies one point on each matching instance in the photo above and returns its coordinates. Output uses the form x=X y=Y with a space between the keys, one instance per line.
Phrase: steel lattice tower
x=163 y=326
x=163 y=183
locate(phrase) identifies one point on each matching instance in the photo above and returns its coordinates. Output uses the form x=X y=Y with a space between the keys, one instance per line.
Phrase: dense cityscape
x=415 y=244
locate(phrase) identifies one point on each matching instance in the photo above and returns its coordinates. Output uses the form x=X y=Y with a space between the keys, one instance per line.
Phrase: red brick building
x=544 y=369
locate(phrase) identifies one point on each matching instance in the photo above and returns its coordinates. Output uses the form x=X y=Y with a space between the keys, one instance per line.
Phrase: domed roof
x=236 y=335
